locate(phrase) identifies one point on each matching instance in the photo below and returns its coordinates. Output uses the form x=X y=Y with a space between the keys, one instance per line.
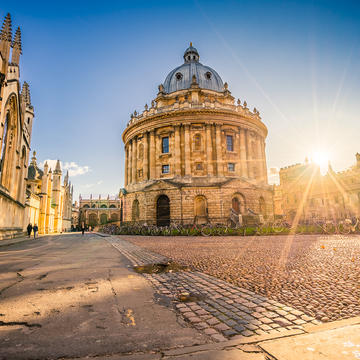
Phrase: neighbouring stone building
x=16 y=121
x=304 y=191
x=48 y=202
x=94 y=211
x=194 y=154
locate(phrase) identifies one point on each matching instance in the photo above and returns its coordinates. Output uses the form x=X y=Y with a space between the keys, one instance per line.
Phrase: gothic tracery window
x=3 y=142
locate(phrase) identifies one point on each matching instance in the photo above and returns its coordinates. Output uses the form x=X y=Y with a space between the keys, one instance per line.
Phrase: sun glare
x=321 y=158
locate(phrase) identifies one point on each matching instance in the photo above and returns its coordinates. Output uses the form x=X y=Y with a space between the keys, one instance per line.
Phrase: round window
x=208 y=75
x=178 y=76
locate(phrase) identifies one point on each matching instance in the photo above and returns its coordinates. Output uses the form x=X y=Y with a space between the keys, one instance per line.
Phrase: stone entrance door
x=236 y=205
x=163 y=211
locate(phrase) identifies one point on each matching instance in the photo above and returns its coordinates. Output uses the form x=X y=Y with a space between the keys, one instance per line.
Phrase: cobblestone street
x=219 y=309
x=318 y=275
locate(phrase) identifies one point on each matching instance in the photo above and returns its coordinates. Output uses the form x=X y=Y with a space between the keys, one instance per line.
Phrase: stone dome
x=181 y=77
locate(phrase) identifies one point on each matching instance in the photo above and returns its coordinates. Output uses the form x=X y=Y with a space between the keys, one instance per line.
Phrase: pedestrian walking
x=29 y=229
x=35 y=230
x=82 y=228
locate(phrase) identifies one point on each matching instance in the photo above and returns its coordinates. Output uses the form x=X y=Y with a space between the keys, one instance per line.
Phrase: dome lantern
x=191 y=54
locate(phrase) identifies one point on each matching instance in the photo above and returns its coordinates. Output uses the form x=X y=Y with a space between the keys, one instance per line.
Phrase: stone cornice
x=193 y=115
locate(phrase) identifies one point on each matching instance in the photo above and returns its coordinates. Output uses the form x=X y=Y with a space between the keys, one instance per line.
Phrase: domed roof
x=181 y=77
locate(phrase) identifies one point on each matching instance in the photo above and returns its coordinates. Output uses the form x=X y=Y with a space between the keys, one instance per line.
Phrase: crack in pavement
x=16 y=323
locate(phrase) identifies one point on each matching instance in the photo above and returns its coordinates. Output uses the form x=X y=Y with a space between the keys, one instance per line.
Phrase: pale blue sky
x=90 y=64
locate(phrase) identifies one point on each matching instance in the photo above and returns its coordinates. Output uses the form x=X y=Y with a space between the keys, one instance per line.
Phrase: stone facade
x=16 y=121
x=48 y=202
x=194 y=154
x=304 y=192
x=98 y=211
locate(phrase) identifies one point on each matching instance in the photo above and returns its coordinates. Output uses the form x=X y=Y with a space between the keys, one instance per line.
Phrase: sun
x=321 y=158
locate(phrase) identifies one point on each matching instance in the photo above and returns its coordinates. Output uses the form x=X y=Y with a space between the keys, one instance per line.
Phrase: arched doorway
x=163 y=211
x=200 y=209
x=238 y=204
x=135 y=210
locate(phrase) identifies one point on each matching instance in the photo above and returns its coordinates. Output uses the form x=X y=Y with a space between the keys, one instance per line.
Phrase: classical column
x=264 y=160
x=259 y=158
x=209 y=160
x=146 y=157
x=126 y=165
x=130 y=163
x=243 y=164
x=134 y=164
x=220 y=168
x=152 y=167
x=177 y=151
x=187 y=150
x=249 y=155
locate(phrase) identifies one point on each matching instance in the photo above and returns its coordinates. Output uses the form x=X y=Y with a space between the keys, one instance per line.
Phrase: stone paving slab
x=341 y=343
x=217 y=308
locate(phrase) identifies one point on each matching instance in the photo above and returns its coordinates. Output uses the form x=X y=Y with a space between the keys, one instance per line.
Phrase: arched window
x=92 y=220
x=86 y=206
x=4 y=142
x=197 y=142
x=112 y=206
x=103 y=219
x=135 y=210
x=103 y=206
x=93 y=206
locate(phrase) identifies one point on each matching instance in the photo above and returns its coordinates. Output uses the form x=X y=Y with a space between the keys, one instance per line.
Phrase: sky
x=91 y=64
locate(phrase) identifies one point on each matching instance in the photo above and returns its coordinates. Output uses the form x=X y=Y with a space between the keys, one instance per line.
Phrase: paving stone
x=282 y=321
x=251 y=326
x=247 y=333
x=195 y=319
x=291 y=317
x=218 y=337
x=221 y=327
x=229 y=333
x=212 y=321
x=265 y=320
x=265 y=327
x=201 y=325
x=210 y=331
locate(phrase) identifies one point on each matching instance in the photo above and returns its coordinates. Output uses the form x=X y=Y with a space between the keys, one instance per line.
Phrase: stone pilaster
x=220 y=168
x=187 y=150
x=146 y=157
x=152 y=165
x=209 y=159
x=259 y=158
x=177 y=152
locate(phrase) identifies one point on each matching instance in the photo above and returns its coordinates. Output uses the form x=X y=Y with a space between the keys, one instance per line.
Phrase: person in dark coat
x=29 y=229
x=82 y=228
x=35 y=229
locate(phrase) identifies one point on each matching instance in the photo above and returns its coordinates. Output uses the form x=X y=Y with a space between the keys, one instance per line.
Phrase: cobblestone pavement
x=316 y=274
x=219 y=309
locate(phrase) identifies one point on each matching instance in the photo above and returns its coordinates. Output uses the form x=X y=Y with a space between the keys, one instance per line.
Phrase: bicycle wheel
x=278 y=226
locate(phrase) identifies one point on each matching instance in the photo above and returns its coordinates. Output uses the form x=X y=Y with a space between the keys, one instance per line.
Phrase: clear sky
x=90 y=64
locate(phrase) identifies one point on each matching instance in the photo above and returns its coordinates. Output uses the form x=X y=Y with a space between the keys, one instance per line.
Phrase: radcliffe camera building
x=194 y=154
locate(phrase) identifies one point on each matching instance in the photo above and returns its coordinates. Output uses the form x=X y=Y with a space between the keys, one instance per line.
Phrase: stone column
x=130 y=163
x=264 y=160
x=146 y=157
x=177 y=152
x=220 y=168
x=249 y=155
x=126 y=166
x=134 y=164
x=243 y=164
x=152 y=168
x=208 y=144
x=187 y=150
